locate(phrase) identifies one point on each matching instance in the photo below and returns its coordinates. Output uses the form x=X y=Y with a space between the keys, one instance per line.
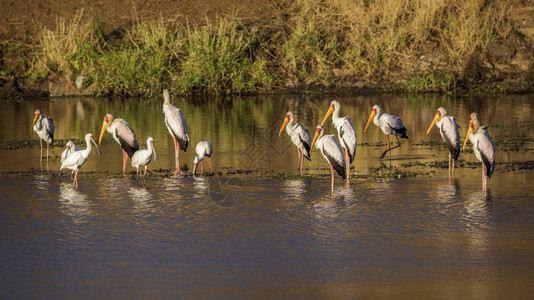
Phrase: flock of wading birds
x=339 y=160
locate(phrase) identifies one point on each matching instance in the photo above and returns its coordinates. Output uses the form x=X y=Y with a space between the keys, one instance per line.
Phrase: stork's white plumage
x=76 y=160
x=177 y=126
x=123 y=134
x=483 y=147
x=331 y=151
x=300 y=136
x=449 y=130
x=44 y=127
x=389 y=124
x=346 y=134
x=143 y=157
x=203 y=149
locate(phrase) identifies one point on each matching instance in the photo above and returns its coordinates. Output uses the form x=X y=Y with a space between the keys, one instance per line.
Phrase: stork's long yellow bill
x=373 y=114
x=104 y=126
x=469 y=130
x=34 y=121
x=314 y=140
x=286 y=120
x=436 y=118
x=328 y=113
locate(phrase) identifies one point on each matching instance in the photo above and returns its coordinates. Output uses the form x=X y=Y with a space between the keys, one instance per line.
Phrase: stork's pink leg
x=41 y=158
x=347 y=165
x=211 y=167
x=76 y=179
x=47 y=167
x=144 y=176
x=332 y=174
x=124 y=159
x=202 y=167
x=176 y=153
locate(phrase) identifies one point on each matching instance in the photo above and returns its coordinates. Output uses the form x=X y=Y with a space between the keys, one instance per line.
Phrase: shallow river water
x=246 y=235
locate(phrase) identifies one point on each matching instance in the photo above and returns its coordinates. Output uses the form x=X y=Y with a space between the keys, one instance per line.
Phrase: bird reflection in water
x=73 y=203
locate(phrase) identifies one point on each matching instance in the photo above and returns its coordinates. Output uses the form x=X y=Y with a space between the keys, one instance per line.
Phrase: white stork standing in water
x=175 y=122
x=44 y=127
x=448 y=128
x=300 y=136
x=123 y=134
x=141 y=158
x=70 y=148
x=331 y=151
x=483 y=147
x=345 y=131
x=76 y=160
x=203 y=149
x=390 y=125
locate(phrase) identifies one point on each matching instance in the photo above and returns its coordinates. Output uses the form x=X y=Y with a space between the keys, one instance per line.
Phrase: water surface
x=240 y=235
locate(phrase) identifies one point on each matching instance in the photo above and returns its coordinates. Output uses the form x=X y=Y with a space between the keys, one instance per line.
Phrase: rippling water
x=228 y=236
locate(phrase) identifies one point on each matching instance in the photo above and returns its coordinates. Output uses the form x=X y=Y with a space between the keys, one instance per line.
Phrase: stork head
x=108 y=118
x=374 y=111
x=319 y=131
x=37 y=114
x=289 y=117
x=473 y=126
x=440 y=113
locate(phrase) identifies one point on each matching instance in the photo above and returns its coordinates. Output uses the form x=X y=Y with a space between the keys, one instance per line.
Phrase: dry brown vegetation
x=423 y=45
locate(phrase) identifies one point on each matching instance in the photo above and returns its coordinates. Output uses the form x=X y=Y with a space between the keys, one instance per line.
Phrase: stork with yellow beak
x=448 y=128
x=483 y=147
x=123 y=134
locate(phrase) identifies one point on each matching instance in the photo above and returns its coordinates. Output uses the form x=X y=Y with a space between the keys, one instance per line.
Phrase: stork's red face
x=106 y=118
x=318 y=129
x=439 y=113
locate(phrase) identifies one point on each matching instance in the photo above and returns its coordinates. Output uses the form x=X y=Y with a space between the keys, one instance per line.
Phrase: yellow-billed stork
x=483 y=147
x=300 y=136
x=390 y=125
x=331 y=151
x=346 y=134
x=123 y=134
x=44 y=127
x=177 y=126
x=449 y=130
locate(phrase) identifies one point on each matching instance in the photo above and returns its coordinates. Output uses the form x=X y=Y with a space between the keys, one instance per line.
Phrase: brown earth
x=507 y=63
x=20 y=18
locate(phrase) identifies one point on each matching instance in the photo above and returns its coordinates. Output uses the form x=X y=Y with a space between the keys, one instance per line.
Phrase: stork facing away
x=177 y=126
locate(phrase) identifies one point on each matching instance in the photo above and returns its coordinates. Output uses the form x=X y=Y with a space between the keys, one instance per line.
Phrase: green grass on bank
x=311 y=43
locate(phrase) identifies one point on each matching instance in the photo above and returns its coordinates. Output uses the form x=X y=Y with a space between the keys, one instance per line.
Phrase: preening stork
x=300 y=136
x=390 y=125
x=331 y=151
x=449 y=130
x=123 y=134
x=44 y=127
x=346 y=134
x=70 y=148
x=483 y=147
x=76 y=160
x=175 y=122
x=143 y=157
x=203 y=149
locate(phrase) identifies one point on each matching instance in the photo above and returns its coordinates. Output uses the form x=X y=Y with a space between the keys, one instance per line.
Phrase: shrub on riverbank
x=407 y=45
